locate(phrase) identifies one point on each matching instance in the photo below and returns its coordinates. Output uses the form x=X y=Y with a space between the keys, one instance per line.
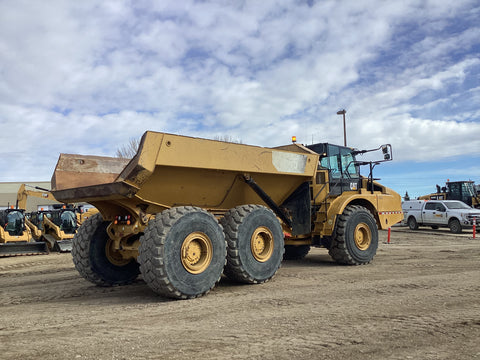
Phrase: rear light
x=126 y=219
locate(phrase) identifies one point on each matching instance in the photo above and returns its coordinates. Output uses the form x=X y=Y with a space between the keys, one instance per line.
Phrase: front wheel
x=96 y=259
x=455 y=226
x=356 y=238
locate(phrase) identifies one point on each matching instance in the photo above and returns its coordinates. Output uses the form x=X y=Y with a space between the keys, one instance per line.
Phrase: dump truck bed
x=171 y=170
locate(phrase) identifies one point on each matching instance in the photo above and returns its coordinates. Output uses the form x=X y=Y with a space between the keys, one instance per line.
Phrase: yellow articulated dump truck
x=185 y=210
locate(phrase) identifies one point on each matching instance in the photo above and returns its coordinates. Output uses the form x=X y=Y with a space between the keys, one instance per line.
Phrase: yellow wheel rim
x=196 y=252
x=113 y=255
x=363 y=236
x=261 y=244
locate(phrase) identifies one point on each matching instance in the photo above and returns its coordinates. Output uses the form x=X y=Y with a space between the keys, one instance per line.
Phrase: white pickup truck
x=453 y=214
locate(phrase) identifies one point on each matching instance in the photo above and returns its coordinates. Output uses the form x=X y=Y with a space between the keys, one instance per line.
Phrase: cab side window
x=430 y=206
x=434 y=206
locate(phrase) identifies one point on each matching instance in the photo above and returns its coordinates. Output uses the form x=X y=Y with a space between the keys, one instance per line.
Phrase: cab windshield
x=467 y=188
x=15 y=223
x=67 y=221
x=457 y=205
x=340 y=162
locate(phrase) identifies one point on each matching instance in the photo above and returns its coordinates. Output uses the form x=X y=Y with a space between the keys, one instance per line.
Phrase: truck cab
x=13 y=221
x=344 y=171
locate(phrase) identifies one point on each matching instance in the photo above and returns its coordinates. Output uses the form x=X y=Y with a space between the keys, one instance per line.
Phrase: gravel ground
x=418 y=299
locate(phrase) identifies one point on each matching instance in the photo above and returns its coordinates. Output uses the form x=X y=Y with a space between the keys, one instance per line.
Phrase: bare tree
x=128 y=151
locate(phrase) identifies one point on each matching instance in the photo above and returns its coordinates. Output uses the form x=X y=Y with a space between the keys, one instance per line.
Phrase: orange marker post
x=474 y=227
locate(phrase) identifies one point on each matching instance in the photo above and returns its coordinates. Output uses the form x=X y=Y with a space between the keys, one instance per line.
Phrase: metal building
x=9 y=190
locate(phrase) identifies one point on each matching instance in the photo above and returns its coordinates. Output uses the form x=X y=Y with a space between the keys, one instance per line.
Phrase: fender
x=376 y=203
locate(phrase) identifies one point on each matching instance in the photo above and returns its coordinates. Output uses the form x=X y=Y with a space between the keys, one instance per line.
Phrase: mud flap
x=24 y=248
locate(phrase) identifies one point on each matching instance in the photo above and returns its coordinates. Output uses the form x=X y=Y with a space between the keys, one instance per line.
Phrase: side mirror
x=387 y=152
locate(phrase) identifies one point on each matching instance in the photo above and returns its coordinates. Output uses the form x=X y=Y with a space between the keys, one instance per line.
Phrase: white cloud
x=92 y=75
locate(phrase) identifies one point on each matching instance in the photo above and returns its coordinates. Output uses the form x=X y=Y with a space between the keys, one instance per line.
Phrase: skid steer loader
x=15 y=237
x=55 y=227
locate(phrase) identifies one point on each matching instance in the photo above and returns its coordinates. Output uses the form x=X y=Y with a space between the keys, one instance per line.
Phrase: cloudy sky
x=87 y=76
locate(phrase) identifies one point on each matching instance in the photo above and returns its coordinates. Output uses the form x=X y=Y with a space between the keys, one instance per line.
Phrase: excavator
x=55 y=227
x=456 y=190
x=16 y=237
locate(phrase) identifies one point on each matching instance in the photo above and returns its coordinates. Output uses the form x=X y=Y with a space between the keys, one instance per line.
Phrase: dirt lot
x=418 y=299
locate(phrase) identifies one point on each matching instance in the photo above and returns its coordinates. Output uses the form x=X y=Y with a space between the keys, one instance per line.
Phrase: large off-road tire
x=255 y=244
x=94 y=258
x=412 y=223
x=356 y=239
x=455 y=226
x=295 y=252
x=182 y=253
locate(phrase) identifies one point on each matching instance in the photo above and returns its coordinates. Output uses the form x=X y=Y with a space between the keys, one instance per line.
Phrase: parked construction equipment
x=456 y=190
x=83 y=213
x=56 y=227
x=15 y=237
x=185 y=210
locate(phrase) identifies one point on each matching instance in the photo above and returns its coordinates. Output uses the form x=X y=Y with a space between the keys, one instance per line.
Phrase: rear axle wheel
x=94 y=256
x=182 y=252
x=255 y=243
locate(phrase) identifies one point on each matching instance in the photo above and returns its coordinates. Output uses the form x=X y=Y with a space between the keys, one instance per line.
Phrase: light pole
x=343 y=112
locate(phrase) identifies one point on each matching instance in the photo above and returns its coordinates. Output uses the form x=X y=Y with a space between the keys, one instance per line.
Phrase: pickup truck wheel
x=455 y=226
x=356 y=239
x=255 y=244
x=412 y=223
x=182 y=253
x=93 y=258
x=295 y=252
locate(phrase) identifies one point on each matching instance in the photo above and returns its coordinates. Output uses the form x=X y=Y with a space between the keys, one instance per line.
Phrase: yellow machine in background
x=56 y=227
x=83 y=213
x=464 y=191
x=15 y=236
x=185 y=210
